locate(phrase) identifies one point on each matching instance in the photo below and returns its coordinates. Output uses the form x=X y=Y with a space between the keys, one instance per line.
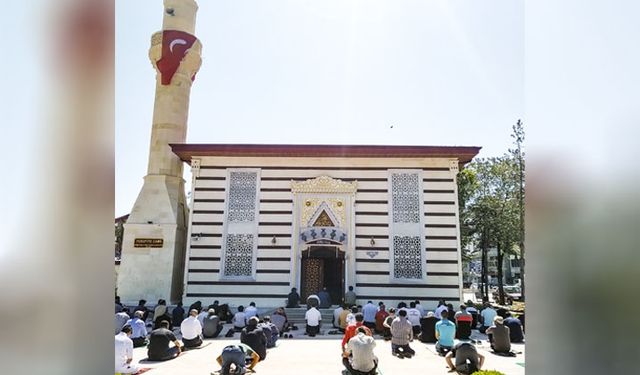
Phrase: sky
x=440 y=72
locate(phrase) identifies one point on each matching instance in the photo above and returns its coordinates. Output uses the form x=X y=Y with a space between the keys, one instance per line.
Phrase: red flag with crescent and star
x=175 y=45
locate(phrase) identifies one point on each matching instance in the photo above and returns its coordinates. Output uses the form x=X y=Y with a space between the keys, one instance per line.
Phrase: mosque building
x=267 y=218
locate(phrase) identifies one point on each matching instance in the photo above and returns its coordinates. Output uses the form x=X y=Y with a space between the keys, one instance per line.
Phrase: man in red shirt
x=351 y=330
x=380 y=316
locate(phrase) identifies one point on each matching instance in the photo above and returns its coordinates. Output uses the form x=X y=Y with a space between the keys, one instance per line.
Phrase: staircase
x=296 y=315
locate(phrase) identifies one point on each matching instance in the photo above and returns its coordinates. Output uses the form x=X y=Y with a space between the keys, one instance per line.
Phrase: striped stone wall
x=372 y=201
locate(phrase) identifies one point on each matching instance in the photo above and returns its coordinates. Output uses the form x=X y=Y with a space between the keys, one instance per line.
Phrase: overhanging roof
x=186 y=151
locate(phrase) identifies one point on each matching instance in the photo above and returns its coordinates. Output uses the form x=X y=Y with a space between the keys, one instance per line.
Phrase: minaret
x=154 y=240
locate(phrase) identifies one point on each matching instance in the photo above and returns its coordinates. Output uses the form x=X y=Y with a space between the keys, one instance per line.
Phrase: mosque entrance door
x=322 y=266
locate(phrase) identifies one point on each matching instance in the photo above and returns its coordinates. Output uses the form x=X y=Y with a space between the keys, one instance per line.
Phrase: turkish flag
x=175 y=45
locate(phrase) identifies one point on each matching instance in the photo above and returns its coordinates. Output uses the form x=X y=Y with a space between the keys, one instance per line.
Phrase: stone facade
x=398 y=216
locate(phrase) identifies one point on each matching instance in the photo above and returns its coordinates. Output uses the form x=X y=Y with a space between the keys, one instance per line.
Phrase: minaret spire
x=159 y=214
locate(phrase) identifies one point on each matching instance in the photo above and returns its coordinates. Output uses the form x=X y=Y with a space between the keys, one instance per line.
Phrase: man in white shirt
x=442 y=306
x=420 y=308
x=351 y=317
x=413 y=316
x=369 y=311
x=121 y=319
x=336 y=316
x=250 y=311
x=239 y=320
x=360 y=347
x=313 y=318
x=191 y=330
x=124 y=352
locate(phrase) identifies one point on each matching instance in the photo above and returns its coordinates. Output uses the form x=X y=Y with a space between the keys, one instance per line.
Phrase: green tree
x=467 y=186
x=517 y=154
x=492 y=212
x=491 y=200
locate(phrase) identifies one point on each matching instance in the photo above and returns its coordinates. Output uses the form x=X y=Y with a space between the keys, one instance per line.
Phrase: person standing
x=191 y=330
x=124 y=352
x=350 y=297
x=358 y=357
x=158 y=349
x=445 y=334
x=313 y=319
x=401 y=335
x=369 y=311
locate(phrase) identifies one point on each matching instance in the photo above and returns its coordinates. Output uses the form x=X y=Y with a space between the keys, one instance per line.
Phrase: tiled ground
x=321 y=355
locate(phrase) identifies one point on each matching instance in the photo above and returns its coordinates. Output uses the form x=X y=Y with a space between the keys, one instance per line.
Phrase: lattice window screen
x=406 y=229
x=406 y=197
x=241 y=224
x=407 y=260
x=239 y=255
x=242 y=196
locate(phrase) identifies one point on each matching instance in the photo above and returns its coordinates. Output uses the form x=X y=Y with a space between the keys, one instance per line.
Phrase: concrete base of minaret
x=148 y=272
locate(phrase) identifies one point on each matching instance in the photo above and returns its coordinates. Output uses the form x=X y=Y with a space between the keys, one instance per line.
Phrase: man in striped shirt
x=401 y=335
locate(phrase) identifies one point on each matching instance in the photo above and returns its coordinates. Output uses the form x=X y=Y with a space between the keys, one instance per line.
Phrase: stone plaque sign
x=148 y=242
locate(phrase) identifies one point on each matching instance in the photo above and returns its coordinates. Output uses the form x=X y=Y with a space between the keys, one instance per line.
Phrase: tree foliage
x=491 y=193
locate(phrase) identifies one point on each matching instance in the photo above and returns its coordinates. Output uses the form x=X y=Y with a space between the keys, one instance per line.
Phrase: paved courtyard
x=321 y=355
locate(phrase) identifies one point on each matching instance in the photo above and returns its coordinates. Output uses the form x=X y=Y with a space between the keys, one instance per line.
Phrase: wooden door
x=312 y=277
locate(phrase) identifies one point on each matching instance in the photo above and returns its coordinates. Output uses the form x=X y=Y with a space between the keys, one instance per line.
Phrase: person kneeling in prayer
x=239 y=356
x=468 y=360
x=191 y=330
x=358 y=357
x=158 y=349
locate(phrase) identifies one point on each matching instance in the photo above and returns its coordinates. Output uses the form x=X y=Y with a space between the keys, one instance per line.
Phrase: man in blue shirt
x=139 y=334
x=369 y=311
x=445 y=333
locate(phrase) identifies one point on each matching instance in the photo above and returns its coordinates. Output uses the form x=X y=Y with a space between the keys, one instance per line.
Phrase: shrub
x=488 y=372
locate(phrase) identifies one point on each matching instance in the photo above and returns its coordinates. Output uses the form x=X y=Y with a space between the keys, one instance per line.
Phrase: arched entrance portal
x=322 y=266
